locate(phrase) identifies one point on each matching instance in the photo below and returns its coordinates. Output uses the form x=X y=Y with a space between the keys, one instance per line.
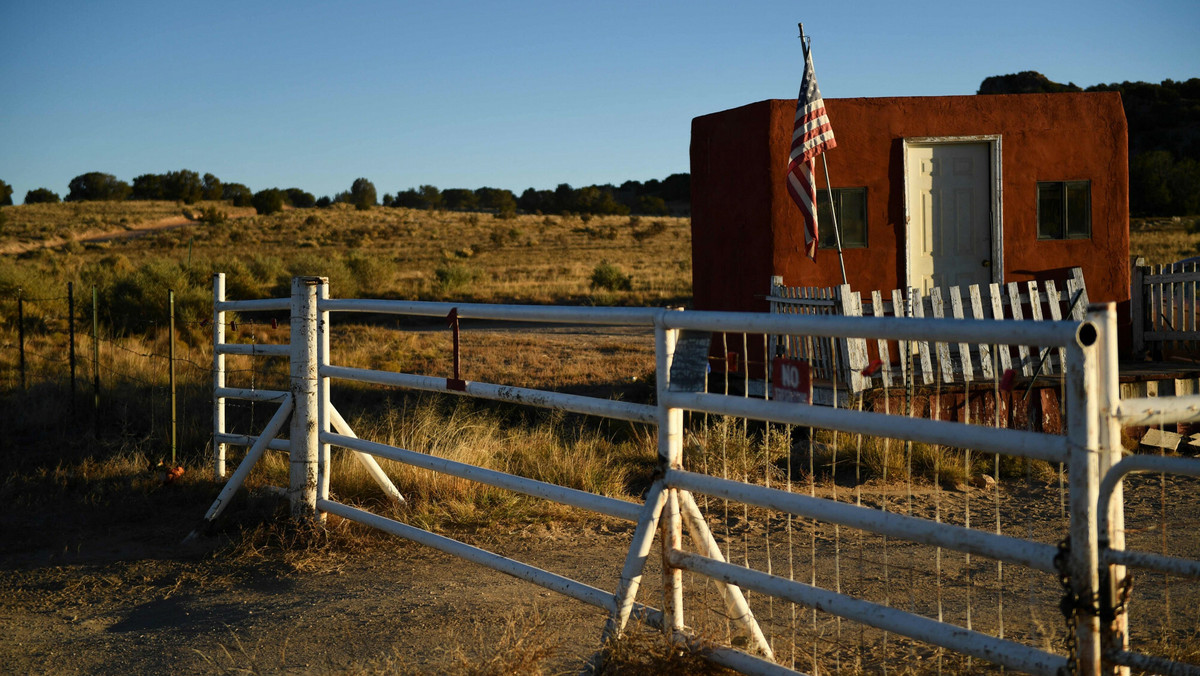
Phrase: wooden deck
x=1160 y=378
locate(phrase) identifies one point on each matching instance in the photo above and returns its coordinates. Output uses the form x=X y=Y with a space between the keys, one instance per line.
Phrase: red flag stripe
x=804 y=193
x=811 y=136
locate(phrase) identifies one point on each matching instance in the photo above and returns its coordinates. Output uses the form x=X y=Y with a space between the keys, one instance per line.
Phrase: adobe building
x=930 y=191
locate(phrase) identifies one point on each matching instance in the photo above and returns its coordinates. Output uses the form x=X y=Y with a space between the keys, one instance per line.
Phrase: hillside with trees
x=1164 y=136
x=668 y=197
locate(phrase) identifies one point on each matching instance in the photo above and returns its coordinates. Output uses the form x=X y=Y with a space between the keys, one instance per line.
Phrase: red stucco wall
x=745 y=227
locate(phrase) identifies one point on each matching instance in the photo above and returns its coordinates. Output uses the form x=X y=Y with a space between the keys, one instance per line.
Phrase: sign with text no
x=790 y=381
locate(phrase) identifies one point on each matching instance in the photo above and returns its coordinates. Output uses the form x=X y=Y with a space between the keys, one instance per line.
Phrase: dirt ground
x=121 y=598
x=86 y=590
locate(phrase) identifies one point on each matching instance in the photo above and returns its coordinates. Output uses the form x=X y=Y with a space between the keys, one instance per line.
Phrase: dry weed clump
x=642 y=651
x=296 y=546
x=527 y=645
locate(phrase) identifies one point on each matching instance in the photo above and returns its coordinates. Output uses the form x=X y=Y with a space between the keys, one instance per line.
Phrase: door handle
x=987 y=263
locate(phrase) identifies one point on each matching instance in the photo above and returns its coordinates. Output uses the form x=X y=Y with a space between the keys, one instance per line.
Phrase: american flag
x=811 y=136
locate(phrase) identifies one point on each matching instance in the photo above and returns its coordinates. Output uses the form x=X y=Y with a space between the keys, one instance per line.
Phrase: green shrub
x=134 y=300
x=342 y=282
x=608 y=231
x=213 y=216
x=268 y=201
x=41 y=196
x=362 y=194
x=609 y=276
x=653 y=230
x=374 y=274
x=268 y=269
x=452 y=276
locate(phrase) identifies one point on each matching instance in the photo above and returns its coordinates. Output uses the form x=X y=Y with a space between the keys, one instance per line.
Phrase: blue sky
x=504 y=94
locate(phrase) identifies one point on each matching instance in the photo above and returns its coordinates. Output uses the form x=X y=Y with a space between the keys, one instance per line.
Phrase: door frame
x=996 y=205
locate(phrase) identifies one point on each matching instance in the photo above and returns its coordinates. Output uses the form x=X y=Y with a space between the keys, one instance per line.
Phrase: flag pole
x=837 y=235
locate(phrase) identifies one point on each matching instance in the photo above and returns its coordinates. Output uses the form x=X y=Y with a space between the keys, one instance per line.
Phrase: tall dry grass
x=551 y=448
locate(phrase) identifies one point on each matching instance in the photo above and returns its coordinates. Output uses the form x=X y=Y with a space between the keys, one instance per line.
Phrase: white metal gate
x=1091 y=560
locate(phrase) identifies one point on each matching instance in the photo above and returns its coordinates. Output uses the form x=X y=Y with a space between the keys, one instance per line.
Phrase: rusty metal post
x=1114 y=625
x=1083 y=433
x=21 y=333
x=71 y=338
x=95 y=362
x=171 y=373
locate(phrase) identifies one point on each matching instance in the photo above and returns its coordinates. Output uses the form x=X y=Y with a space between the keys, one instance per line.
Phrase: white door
x=950 y=224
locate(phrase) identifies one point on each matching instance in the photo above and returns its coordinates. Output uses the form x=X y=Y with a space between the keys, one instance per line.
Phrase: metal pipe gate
x=1095 y=562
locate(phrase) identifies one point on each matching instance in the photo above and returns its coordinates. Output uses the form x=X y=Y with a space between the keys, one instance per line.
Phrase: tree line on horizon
x=650 y=198
x=1164 y=136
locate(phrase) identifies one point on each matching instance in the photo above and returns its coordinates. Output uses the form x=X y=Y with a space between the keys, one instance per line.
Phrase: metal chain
x=1123 y=595
x=1069 y=605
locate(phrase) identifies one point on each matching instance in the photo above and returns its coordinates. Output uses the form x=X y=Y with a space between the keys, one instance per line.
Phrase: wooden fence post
x=1137 y=305
x=853 y=350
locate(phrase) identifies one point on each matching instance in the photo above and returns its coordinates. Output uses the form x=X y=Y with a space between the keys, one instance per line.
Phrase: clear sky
x=505 y=94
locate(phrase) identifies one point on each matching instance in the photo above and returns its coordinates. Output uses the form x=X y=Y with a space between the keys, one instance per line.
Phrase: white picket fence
x=1165 y=308
x=846 y=360
x=1095 y=559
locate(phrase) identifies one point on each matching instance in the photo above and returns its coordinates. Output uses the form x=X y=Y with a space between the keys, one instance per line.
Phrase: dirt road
x=137 y=230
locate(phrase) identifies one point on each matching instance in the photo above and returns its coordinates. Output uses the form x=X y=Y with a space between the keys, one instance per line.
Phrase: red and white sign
x=790 y=381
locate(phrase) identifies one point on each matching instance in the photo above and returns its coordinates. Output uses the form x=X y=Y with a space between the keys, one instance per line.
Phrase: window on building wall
x=1064 y=209
x=851 y=218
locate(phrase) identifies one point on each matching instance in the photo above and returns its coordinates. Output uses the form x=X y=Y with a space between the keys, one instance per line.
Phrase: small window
x=1064 y=209
x=851 y=218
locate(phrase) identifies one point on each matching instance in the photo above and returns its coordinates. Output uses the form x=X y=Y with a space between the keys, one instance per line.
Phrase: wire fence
x=58 y=346
x=150 y=379
x=974 y=489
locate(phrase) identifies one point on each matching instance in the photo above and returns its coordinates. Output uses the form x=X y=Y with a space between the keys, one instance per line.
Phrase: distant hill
x=1025 y=82
x=1164 y=136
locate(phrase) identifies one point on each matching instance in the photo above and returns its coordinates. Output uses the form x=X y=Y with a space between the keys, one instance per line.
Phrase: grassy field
x=85 y=468
x=132 y=258
x=1165 y=240
x=382 y=253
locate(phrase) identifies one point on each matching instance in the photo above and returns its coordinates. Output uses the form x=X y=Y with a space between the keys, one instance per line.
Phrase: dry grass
x=545 y=358
x=1164 y=240
x=547 y=449
x=526 y=646
x=382 y=252
x=642 y=651
x=42 y=222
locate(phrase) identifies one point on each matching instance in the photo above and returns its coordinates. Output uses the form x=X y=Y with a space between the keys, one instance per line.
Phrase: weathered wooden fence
x=1164 y=307
x=859 y=364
